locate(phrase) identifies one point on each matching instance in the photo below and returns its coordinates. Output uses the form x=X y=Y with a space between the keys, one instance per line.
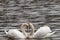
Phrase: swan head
x=28 y=35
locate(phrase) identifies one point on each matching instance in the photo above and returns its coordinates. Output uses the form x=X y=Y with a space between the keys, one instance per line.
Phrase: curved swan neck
x=22 y=28
x=32 y=27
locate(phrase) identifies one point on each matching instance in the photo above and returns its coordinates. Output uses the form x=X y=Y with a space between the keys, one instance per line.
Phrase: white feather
x=43 y=32
x=15 y=33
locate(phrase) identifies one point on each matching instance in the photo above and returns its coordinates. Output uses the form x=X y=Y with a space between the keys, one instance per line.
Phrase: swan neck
x=22 y=28
x=32 y=27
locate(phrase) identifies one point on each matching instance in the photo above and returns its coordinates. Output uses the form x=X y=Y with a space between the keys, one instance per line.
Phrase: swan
x=42 y=32
x=15 y=33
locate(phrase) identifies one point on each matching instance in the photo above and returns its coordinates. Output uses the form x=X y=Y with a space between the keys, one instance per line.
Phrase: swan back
x=42 y=31
x=14 y=33
x=45 y=29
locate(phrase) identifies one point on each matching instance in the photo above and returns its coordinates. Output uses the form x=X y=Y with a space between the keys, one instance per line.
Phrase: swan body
x=14 y=33
x=43 y=32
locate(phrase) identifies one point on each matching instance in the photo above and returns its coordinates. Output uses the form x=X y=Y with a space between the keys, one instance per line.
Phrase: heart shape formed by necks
x=23 y=26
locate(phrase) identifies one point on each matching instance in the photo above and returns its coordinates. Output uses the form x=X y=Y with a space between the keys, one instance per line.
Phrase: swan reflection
x=34 y=39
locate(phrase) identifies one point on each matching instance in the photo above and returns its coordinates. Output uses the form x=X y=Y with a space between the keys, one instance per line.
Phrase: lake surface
x=39 y=12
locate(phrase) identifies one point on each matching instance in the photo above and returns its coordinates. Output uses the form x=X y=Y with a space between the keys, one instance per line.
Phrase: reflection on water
x=31 y=39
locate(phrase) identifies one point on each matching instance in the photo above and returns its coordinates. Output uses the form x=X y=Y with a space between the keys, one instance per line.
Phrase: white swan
x=42 y=32
x=14 y=33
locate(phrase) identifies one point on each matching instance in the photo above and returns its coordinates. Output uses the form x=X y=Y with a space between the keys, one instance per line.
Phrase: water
x=15 y=12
